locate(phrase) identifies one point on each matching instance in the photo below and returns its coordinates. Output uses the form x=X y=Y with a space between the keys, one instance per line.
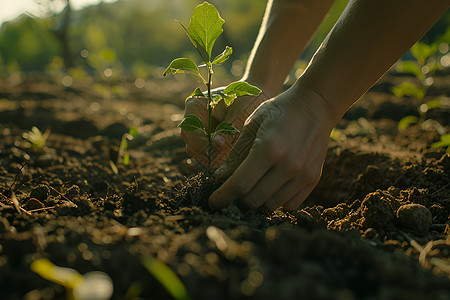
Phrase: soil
x=376 y=226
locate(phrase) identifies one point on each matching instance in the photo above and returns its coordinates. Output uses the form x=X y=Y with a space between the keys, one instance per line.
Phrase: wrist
x=316 y=103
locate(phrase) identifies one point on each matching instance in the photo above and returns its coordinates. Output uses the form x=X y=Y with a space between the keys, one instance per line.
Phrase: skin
x=268 y=65
x=278 y=158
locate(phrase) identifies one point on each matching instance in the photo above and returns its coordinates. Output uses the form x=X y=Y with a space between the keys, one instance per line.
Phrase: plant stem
x=210 y=73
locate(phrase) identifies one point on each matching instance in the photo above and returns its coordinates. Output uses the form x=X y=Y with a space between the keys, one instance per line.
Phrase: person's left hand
x=236 y=113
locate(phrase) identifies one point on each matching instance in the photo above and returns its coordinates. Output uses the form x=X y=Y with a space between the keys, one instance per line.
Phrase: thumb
x=239 y=151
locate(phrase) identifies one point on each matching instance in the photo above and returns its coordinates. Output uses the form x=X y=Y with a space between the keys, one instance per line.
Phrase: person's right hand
x=236 y=113
x=278 y=158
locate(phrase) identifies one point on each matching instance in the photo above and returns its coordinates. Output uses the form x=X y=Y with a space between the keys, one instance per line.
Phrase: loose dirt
x=375 y=227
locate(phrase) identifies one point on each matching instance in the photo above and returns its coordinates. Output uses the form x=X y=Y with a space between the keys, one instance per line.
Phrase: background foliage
x=135 y=34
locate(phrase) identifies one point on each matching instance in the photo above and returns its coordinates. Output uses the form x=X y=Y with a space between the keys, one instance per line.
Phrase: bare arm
x=369 y=37
x=278 y=158
x=286 y=28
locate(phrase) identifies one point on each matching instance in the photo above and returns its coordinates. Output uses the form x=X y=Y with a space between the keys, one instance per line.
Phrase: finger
x=196 y=140
x=202 y=158
x=220 y=150
x=239 y=151
x=299 y=198
x=274 y=180
x=244 y=178
x=305 y=176
x=197 y=106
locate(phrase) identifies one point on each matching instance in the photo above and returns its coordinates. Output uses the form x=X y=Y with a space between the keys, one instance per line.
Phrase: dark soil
x=375 y=227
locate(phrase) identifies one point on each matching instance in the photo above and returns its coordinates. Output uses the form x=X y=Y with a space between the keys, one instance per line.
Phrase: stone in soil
x=415 y=217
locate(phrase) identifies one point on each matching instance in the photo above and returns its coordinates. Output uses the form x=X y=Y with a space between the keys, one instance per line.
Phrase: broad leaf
x=182 y=65
x=229 y=99
x=408 y=89
x=238 y=89
x=222 y=57
x=204 y=28
x=219 y=96
x=216 y=98
x=406 y=121
x=200 y=49
x=196 y=94
x=191 y=123
x=226 y=128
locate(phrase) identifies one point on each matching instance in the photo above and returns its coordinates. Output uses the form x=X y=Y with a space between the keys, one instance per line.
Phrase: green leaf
x=444 y=142
x=204 y=28
x=216 y=98
x=408 y=66
x=126 y=159
x=196 y=94
x=222 y=57
x=406 y=121
x=200 y=49
x=182 y=65
x=133 y=131
x=422 y=51
x=238 y=89
x=229 y=99
x=226 y=128
x=408 y=89
x=166 y=277
x=191 y=123
x=66 y=277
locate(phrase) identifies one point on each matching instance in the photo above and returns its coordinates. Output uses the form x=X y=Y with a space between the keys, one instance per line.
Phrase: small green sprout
x=123 y=157
x=444 y=142
x=166 y=277
x=36 y=140
x=204 y=28
x=93 y=285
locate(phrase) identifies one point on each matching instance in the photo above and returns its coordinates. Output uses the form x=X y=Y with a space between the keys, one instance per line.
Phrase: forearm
x=286 y=28
x=369 y=37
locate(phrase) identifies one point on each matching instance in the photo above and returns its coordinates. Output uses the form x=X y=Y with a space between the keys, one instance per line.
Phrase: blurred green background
x=133 y=37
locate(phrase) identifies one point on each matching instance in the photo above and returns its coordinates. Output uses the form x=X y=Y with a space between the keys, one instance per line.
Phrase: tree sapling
x=204 y=28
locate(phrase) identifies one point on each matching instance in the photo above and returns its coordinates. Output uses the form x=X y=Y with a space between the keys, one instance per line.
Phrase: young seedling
x=92 y=285
x=36 y=140
x=123 y=156
x=204 y=28
x=168 y=279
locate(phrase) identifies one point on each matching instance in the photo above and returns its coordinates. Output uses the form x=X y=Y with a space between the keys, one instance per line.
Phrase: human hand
x=278 y=158
x=237 y=113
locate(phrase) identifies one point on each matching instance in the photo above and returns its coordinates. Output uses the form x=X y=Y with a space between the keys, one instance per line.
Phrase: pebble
x=415 y=217
x=40 y=192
